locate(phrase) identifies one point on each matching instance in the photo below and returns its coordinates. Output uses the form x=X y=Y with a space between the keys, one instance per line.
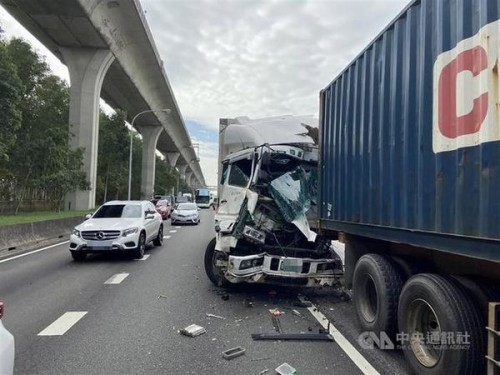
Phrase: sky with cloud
x=254 y=58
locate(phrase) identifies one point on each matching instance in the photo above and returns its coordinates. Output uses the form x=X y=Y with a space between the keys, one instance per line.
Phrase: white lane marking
x=173 y=231
x=166 y=237
x=344 y=344
x=144 y=257
x=34 y=251
x=116 y=279
x=177 y=227
x=63 y=324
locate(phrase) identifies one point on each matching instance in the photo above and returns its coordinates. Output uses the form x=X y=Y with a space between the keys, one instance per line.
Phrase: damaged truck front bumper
x=265 y=268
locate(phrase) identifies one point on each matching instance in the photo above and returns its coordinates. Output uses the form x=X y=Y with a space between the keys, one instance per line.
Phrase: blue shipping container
x=410 y=132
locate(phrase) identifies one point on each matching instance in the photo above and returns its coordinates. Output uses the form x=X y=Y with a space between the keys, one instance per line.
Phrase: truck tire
x=377 y=283
x=214 y=274
x=435 y=306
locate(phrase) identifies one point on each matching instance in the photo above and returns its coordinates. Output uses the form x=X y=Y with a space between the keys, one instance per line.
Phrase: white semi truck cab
x=264 y=226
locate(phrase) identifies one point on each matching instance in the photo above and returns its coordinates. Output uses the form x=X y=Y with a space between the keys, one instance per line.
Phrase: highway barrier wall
x=15 y=238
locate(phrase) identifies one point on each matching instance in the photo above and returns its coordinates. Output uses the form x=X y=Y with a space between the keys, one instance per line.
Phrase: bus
x=203 y=198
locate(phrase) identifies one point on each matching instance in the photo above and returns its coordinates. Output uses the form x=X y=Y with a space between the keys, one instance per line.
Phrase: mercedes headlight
x=129 y=231
x=75 y=232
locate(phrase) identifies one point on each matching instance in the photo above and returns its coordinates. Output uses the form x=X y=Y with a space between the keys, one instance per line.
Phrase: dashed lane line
x=116 y=279
x=166 y=237
x=339 y=338
x=145 y=256
x=173 y=231
x=177 y=227
x=63 y=324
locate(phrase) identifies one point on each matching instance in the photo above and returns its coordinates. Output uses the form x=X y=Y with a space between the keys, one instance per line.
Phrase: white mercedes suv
x=118 y=226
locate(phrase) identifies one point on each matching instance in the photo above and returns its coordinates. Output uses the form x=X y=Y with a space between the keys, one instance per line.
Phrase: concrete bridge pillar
x=172 y=158
x=188 y=178
x=87 y=68
x=182 y=170
x=150 y=135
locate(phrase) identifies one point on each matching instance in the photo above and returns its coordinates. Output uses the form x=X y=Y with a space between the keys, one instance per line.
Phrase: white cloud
x=254 y=58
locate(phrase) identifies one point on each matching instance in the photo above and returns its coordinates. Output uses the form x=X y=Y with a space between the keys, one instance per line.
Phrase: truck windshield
x=240 y=173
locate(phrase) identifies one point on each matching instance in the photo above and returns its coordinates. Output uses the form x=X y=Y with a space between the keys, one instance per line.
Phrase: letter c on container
x=474 y=60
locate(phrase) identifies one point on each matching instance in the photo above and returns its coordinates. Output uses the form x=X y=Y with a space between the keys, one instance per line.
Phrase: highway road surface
x=114 y=315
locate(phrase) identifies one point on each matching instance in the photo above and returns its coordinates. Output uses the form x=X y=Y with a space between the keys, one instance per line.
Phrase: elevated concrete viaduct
x=110 y=53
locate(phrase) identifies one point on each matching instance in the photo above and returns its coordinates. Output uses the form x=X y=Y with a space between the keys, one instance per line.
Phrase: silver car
x=119 y=226
x=185 y=213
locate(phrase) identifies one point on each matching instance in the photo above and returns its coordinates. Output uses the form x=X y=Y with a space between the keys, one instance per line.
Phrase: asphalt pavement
x=114 y=315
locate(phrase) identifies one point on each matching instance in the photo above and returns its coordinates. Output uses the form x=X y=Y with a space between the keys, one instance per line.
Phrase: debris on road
x=193 y=330
x=276 y=312
x=161 y=296
x=233 y=352
x=225 y=297
x=286 y=369
x=249 y=303
x=263 y=371
x=293 y=336
x=215 y=316
x=297 y=313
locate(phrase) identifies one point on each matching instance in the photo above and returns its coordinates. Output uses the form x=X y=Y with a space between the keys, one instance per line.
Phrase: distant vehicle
x=188 y=196
x=119 y=226
x=185 y=213
x=203 y=198
x=7 y=347
x=163 y=207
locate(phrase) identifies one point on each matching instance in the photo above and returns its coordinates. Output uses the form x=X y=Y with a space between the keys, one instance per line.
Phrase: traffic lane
x=342 y=314
x=39 y=287
x=133 y=327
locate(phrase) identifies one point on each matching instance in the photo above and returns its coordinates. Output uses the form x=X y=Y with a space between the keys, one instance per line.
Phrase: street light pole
x=167 y=111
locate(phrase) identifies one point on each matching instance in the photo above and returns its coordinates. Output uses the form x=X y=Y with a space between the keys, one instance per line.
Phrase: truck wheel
x=138 y=252
x=158 y=241
x=434 y=308
x=78 y=256
x=377 y=283
x=215 y=275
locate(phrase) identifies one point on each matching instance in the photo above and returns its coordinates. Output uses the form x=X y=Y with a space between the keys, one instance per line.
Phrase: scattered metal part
x=193 y=330
x=233 y=352
x=293 y=336
x=161 y=296
x=215 y=316
x=297 y=313
x=263 y=371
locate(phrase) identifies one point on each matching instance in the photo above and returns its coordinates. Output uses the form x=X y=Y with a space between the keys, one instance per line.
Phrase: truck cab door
x=235 y=179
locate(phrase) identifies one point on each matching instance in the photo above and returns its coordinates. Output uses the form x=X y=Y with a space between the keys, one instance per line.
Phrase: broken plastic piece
x=292 y=336
x=276 y=312
x=233 y=353
x=215 y=316
x=193 y=330
x=286 y=369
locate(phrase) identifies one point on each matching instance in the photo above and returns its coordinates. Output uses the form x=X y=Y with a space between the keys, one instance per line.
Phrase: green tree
x=41 y=162
x=113 y=154
x=10 y=112
x=165 y=177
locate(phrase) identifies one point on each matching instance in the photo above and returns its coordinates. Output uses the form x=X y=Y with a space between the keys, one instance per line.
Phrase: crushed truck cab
x=265 y=221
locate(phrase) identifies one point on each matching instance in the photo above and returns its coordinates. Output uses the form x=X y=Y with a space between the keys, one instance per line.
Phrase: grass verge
x=32 y=217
